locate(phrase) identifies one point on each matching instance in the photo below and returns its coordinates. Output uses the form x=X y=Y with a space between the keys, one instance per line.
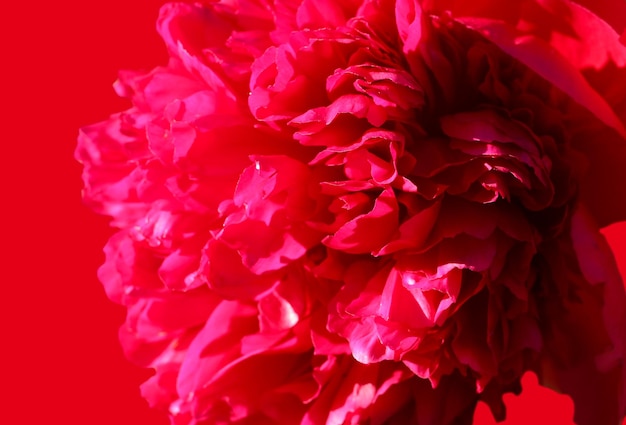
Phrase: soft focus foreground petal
x=585 y=326
x=609 y=11
x=325 y=13
x=595 y=49
x=126 y=268
x=549 y=64
x=609 y=150
x=211 y=41
x=599 y=268
x=109 y=151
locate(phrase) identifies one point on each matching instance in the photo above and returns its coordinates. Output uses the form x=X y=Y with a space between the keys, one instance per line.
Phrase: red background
x=59 y=356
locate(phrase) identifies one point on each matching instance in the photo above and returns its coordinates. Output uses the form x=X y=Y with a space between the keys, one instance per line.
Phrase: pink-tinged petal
x=363 y=165
x=540 y=16
x=358 y=106
x=178 y=270
x=361 y=294
x=325 y=342
x=360 y=391
x=282 y=84
x=389 y=88
x=277 y=313
x=596 y=50
x=598 y=265
x=284 y=17
x=365 y=343
x=216 y=345
x=274 y=201
x=272 y=177
x=109 y=151
x=170 y=142
x=601 y=45
x=273 y=91
x=376 y=159
x=183 y=311
x=424 y=52
x=429 y=58
x=223 y=270
x=227 y=351
x=339 y=187
x=510 y=12
x=285 y=305
x=370 y=231
x=154 y=91
x=488 y=126
x=414 y=232
x=320 y=14
x=549 y=64
x=276 y=398
x=160 y=389
x=435 y=296
x=400 y=339
x=397 y=306
x=345 y=207
x=190 y=29
x=409 y=21
x=464 y=252
x=510 y=152
x=355 y=393
x=279 y=248
x=128 y=269
x=613 y=13
x=353 y=311
x=432 y=360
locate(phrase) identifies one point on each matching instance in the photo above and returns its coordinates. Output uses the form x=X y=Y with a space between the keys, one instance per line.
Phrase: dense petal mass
x=359 y=211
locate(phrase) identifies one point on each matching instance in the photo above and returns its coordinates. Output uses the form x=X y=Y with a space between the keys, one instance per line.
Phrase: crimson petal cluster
x=368 y=211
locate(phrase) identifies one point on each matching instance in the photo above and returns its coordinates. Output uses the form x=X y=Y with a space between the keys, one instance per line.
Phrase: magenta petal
x=408 y=19
x=414 y=232
x=320 y=13
x=221 y=336
x=397 y=306
x=177 y=270
x=599 y=268
x=368 y=232
x=547 y=62
x=610 y=148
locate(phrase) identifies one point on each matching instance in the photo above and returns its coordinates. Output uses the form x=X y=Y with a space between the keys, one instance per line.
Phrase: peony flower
x=369 y=211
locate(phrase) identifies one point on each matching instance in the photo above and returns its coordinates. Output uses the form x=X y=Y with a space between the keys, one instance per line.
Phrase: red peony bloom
x=369 y=211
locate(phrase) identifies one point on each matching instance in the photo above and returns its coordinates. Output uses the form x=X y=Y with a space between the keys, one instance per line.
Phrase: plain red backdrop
x=60 y=361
